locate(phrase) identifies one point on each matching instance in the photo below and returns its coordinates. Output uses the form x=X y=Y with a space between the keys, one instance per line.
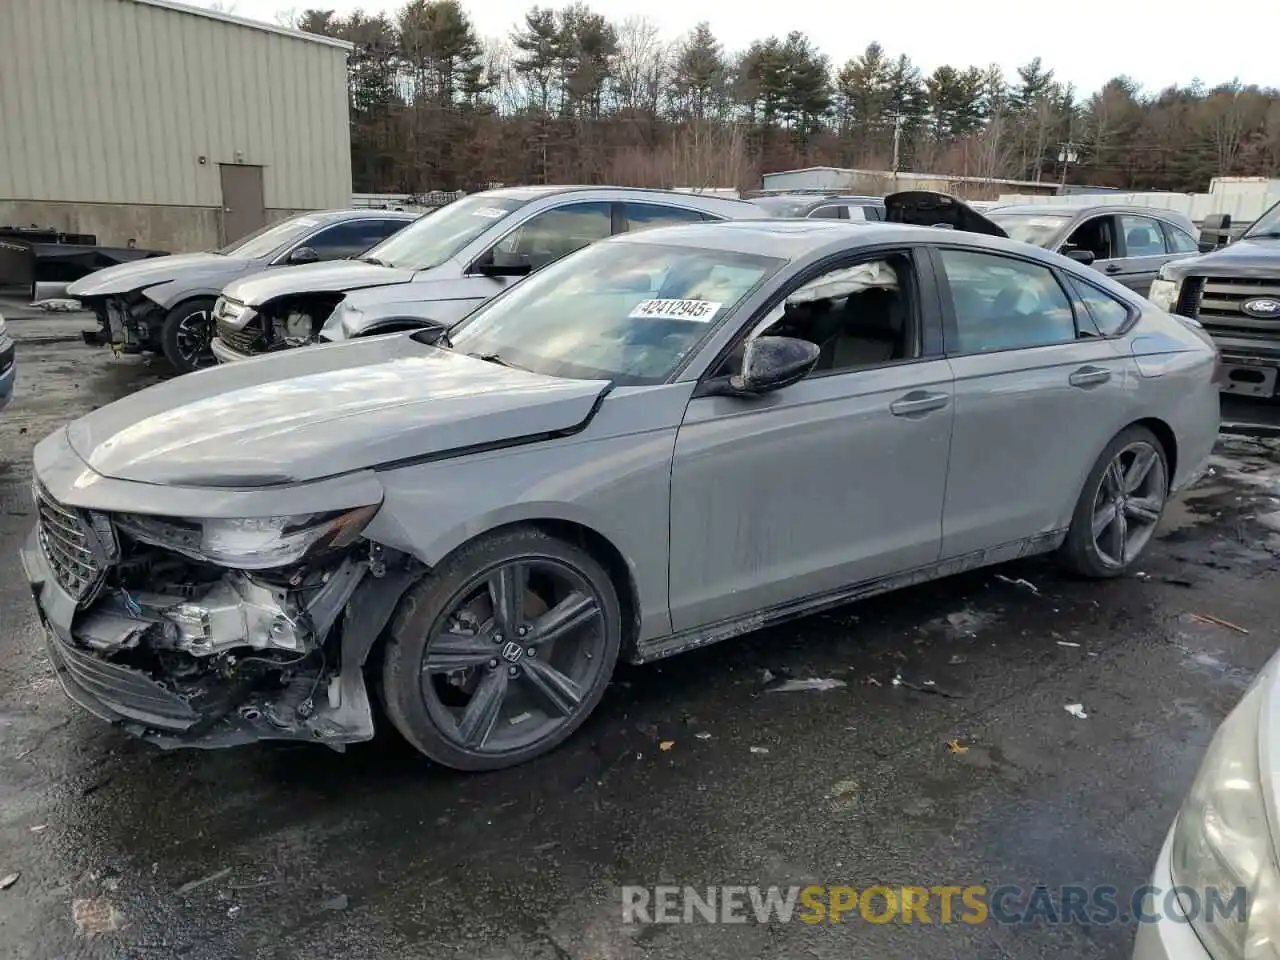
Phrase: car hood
x=126 y=277
x=924 y=208
x=1244 y=258
x=306 y=414
x=330 y=277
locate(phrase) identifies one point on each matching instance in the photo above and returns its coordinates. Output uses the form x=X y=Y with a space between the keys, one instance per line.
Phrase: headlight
x=253 y=543
x=1163 y=293
x=343 y=323
x=1222 y=842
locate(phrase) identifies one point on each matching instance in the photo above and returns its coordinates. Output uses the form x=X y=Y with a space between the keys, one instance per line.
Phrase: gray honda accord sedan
x=661 y=441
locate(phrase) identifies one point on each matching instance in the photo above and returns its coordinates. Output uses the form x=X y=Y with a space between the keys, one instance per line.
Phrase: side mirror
x=771 y=363
x=504 y=265
x=1085 y=257
x=304 y=255
x=1215 y=231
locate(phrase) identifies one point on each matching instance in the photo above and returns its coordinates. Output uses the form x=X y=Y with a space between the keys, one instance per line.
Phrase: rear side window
x=1179 y=241
x=829 y=212
x=642 y=216
x=1109 y=314
x=1004 y=304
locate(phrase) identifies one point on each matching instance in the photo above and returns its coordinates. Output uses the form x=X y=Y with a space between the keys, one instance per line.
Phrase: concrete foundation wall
x=156 y=227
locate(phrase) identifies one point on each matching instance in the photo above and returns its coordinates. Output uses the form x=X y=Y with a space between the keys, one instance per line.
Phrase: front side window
x=431 y=240
x=626 y=312
x=1097 y=236
x=554 y=233
x=1002 y=304
x=642 y=216
x=858 y=315
x=1142 y=237
x=350 y=238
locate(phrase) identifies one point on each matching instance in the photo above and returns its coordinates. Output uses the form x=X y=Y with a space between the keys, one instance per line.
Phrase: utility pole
x=897 y=140
x=1068 y=153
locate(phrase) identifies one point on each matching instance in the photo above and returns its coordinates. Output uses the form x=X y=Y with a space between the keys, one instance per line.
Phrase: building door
x=243 y=207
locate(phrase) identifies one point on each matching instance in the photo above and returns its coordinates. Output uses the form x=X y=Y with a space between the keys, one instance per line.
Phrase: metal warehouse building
x=174 y=126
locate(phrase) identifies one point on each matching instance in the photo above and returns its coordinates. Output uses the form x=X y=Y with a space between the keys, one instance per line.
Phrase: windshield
x=1036 y=229
x=432 y=240
x=1267 y=225
x=783 y=206
x=262 y=242
x=626 y=312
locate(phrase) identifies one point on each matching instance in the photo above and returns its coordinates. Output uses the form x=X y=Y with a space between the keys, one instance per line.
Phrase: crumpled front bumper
x=224 y=353
x=115 y=693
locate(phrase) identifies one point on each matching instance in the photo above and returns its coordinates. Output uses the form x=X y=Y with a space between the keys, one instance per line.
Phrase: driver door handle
x=1089 y=376
x=917 y=402
x=1112 y=268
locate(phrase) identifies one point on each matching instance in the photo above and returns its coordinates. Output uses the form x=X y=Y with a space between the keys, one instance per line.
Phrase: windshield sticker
x=699 y=311
x=490 y=213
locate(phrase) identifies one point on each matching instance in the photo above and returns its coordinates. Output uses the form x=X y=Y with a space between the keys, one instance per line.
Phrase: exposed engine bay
x=187 y=653
x=129 y=322
x=279 y=325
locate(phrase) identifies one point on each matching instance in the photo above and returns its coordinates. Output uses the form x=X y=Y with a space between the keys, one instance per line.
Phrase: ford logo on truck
x=1262 y=307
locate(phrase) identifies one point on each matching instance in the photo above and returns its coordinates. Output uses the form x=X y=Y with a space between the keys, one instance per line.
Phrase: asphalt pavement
x=694 y=771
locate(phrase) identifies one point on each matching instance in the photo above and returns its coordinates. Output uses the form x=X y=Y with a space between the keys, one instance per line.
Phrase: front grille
x=1222 y=300
x=1189 y=297
x=70 y=544
x=247 y=340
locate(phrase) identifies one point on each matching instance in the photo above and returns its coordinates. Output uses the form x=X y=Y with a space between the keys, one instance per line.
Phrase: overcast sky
x=1084 y=41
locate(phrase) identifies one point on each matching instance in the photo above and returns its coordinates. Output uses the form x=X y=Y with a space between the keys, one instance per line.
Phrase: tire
x=415 y=695
x=1091 y=550
x=174 y=333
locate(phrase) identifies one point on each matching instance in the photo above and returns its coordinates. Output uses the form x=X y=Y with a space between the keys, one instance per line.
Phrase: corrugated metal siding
x=112 y=101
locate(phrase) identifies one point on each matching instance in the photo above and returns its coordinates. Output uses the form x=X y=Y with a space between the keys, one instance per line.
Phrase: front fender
x=166 y=296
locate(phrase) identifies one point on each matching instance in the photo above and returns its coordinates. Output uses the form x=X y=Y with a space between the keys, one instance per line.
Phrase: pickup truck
x=1234 y=293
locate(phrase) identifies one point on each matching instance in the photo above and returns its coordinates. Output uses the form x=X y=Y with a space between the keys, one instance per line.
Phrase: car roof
x=358 y=213
x=1071 y=210
x=797 y=239
x=535 y=192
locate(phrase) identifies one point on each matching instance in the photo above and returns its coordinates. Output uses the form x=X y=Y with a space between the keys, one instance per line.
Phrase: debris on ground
x=955 y=746
x=759 y=749
x=925 y=686
x=1019 y=582
x=195 y=884
x=337 y=902
x=666 y=745
x=956 y=658
x=872 y=681
x=1067 y=643
x=813 y=683
x=40 y=828
x=702 y=736
x=233 y=911
x=842 y=795
x=9 y=881
x=1207 y=618
x=95 y=916
x=1076 y=710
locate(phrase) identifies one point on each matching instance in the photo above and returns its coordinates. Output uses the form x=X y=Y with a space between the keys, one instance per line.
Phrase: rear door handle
x=1112 y=268
x=1089 y=377
x=916 y=402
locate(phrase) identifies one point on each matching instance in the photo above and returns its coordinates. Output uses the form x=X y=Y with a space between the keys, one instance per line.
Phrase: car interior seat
x=1140 y=241
x=871 y=331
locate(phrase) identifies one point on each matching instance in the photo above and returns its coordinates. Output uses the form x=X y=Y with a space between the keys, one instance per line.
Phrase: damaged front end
x=243 y=331
x=128 y=322
x=209 y=633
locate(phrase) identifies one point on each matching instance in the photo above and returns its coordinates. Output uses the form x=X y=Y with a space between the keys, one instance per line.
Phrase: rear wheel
x=187 y=333
x=503 y=652
x=1120 y=505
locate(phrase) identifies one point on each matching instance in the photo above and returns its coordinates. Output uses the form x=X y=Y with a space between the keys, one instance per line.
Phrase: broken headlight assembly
x=1164 y=291
x=251 y=543
x=1222 y=849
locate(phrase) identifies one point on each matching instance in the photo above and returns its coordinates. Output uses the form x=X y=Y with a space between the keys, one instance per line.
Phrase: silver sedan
x=661 y=441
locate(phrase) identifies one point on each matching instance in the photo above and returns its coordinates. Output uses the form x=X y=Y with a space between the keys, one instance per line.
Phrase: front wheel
x=187 y=333
x=1120 y=506
x=503 y=651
